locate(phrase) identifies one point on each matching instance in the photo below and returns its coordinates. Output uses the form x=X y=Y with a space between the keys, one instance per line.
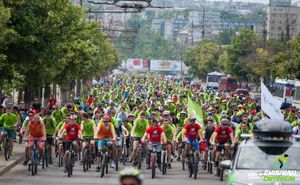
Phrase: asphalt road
x=54 y=175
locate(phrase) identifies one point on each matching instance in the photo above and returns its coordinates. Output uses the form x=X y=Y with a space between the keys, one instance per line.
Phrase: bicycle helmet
x=224 y=122
x=224 y=113
x=131 y=173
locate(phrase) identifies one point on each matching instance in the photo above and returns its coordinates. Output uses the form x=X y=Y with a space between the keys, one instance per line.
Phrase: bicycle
x=193 y=160
x=140 y=155
x=124 y=151
x=220 y=171
x=210 y=160
x=183 y=154
x=164 y=159
x=103 y=155
x=153 y=159
x=6 y=144
x=70 y=158
x=60 y=153
x=87 y=154
x=45 y=155
x=118 y=152
x=34 y=157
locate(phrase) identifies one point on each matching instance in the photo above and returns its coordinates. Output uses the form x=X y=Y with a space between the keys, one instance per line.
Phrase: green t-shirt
x=25 y=122
x=61 y=125
x=140 y=127
x=168 y=132
x=9 y=120
x=50 y=125
x=128 y=127
x=58 y=115
x=88 y=128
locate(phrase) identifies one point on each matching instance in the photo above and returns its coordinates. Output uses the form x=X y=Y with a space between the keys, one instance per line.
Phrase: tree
x=241 y=46
x=203 y=58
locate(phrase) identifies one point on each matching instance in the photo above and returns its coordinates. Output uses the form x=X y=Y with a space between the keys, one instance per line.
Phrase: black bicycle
x=87 y=158
x=70 y=158
x=164 y=159
x=193 y=160
x=6 y=144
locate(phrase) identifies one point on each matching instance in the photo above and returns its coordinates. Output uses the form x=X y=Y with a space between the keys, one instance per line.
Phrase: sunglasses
x=30 y=115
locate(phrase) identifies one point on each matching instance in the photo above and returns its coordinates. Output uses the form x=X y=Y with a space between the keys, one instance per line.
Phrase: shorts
x=40 y=143
x=219 y=146
x=10 y=133
x=119 y=141
x=67 y=144
x=158 y=146
x=194 y=143
x=49 y=140
x=102 y=142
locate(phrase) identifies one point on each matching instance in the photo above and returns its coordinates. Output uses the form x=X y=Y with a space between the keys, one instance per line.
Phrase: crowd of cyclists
x=136 y=112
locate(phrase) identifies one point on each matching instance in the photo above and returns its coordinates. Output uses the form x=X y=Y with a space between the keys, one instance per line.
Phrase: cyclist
x=36 y=130
x=88 y=128
x=57 y=114
x=105 y=134
x=138 y=130
x=209 y=130
x=190 y=134
x=24 y=125
x=170 y=132
x=73 y=134
x=50 y=125
x=155 y=135
x=222 y=135
x=9 y=121
x=130 y=176
x=244 y=128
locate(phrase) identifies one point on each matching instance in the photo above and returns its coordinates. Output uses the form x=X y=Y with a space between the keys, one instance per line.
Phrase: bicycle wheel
x=153 y=159
x=195 y=166
x=69 y=163
x=32 y=169
x=6 y=149
x=191 y=165
x=117 y=159
x=221 y=174
x=35 y=169
x=139 y=159
x=103 y=165
x=85 y=160
x=164 y=164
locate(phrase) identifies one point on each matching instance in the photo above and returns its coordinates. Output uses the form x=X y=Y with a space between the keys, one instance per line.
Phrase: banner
x=269 y=104
x=195 y=110
x=137 y=65
x=165 y=65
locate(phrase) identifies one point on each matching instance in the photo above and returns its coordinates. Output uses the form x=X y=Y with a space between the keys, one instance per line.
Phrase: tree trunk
x=63 y=95
x=46 y=94
x=78 y=88
x=20 y=95
x=28 y=95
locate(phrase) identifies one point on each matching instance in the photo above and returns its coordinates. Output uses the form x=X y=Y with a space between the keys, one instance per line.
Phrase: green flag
x=195 y=110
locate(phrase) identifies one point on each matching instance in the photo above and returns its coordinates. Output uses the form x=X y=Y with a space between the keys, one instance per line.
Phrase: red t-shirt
x=52 y=102
x=72 y=131
x=192 y=131
x=155 y=133
x=223 y=134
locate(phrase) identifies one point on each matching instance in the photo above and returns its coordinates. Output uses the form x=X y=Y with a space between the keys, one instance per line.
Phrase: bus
x=283 y=91
x=228 y=84
x=213 y=80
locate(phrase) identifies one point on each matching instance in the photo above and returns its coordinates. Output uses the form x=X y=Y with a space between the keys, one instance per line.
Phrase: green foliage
x=50 y=41
x=203 y=58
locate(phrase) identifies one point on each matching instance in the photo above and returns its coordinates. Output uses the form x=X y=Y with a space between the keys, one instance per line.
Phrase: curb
x=10 y=165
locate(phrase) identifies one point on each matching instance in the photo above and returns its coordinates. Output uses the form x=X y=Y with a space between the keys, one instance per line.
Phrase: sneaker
x=178 y=159
x=25 y=163
x=169 y=166
x=216 y=163
x=97 y=169
x=204 y=167
x=174 y=155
